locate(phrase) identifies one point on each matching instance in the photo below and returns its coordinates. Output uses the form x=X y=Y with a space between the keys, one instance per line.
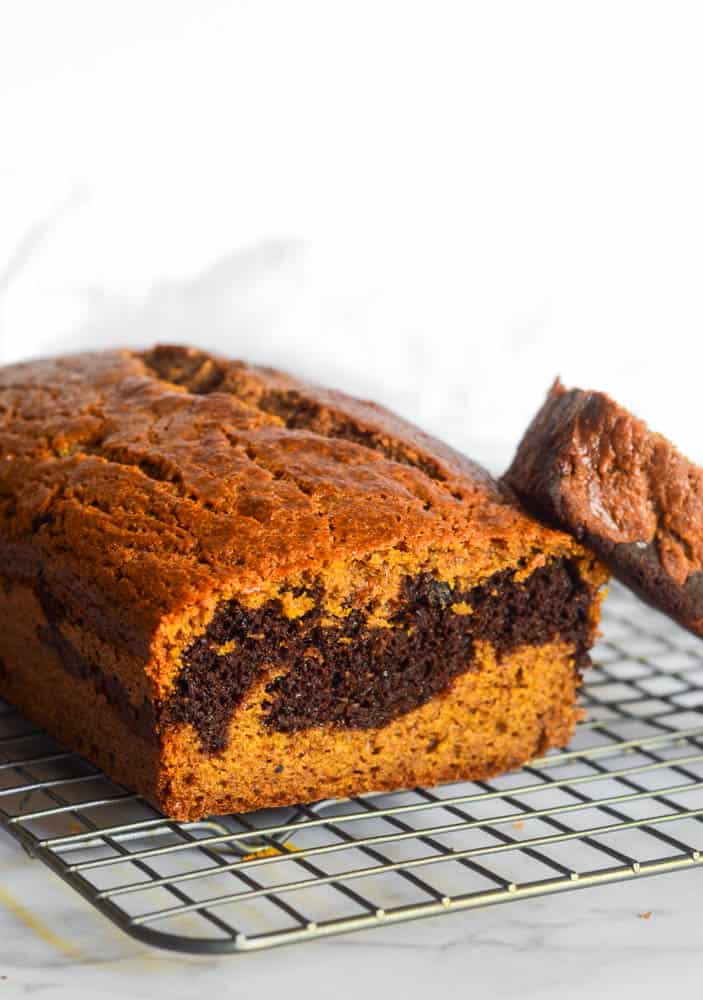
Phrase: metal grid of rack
x=624 y=801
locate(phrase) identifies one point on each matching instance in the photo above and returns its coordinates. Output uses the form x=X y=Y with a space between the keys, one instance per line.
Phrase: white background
x=440 y=205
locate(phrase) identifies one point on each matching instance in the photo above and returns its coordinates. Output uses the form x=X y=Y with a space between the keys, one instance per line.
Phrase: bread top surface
x=140 y=482
x=595 y=469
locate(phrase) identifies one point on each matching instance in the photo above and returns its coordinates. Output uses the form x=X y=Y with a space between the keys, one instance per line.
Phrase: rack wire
x=624 y=801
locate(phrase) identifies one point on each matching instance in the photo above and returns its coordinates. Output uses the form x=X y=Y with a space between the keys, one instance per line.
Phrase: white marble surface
x=585 y=944
x=438 y=205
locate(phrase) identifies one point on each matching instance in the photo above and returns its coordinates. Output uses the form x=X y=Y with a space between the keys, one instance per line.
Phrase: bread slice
x=590 y=467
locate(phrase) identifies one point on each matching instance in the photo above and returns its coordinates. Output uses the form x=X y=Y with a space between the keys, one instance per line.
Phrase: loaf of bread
x=230 y=589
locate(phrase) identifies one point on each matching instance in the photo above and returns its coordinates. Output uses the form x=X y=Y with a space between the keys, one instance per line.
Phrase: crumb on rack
x=270 y=852
x=646 y=915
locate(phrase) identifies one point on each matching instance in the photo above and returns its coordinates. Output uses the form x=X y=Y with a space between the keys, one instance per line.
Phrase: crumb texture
x=353 y=676
x=492 y=719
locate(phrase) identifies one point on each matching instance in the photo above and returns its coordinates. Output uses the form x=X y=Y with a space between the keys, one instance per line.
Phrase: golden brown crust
x=145 y=483
x=68 y=707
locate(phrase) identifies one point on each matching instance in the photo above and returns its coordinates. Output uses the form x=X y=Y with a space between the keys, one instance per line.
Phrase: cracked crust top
x=142 y=481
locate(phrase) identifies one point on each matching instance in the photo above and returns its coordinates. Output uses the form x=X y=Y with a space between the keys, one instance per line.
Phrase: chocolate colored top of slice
x=589 y=466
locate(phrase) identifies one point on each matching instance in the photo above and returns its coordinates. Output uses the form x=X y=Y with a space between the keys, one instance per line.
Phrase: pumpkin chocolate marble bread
x=231 y=590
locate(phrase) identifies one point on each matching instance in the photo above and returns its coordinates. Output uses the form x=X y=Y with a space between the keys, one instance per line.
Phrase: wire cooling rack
x=624 y=801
